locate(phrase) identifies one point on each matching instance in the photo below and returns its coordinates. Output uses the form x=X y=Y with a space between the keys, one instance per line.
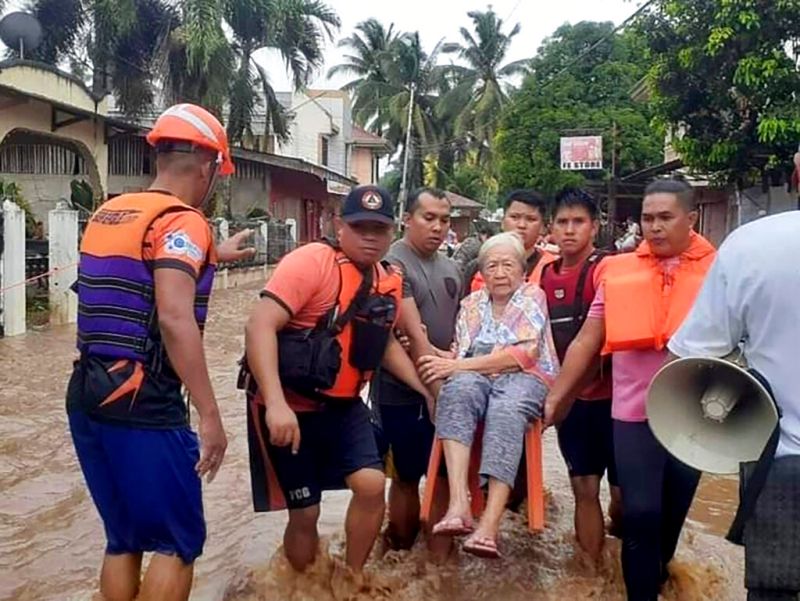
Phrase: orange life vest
x=386 y=282
x=534 y=273
x=644 y=305
x=115 y=286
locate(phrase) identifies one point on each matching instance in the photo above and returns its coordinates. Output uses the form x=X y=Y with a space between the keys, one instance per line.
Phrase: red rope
x=36 y=277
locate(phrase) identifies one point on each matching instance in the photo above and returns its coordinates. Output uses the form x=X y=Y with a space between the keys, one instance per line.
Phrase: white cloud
x=436 y=20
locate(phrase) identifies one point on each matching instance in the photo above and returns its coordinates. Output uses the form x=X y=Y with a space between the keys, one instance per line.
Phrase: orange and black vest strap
x=382 y=280
x=536 y=265
x=644 y=305
x=116 y=286
x=569 y=297
x=385 y=282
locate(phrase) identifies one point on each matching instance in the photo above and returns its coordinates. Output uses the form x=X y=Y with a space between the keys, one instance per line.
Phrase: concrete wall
x=42 y=191
x=225 y=279
x=361 y=169
x=756 y=202
x=121 y=184
x=316 y=114
x=310 y=121
x=44 y=83
x=249 y=194
x=338 y=105
x=34 y=115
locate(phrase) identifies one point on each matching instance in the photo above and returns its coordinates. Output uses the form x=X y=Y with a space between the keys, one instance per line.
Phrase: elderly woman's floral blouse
x=523 y=330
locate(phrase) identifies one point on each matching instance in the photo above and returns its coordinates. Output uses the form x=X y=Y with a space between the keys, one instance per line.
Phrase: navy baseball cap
x=368 y=203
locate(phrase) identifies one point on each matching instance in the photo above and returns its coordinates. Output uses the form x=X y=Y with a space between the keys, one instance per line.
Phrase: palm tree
x=197 y=58
x=368 y=48
x=200 y=59
x=112 y=41
x=180 y=47
x=408 y=66
x=481 y=85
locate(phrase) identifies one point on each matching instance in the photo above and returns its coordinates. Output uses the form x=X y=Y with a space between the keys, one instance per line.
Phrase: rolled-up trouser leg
x=514 y=401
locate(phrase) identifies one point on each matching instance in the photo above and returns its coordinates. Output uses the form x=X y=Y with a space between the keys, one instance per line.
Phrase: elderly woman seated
x=504 y=360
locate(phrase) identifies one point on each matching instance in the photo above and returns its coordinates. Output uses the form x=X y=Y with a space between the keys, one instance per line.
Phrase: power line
x=423 y=151
x=605 y=38
x=513 y=10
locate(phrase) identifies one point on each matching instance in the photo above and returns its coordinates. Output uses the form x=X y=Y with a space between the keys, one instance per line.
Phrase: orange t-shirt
x=178 y=240
x=306 y=283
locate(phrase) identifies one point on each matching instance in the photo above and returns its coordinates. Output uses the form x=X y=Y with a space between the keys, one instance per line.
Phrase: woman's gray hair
x=506 y=239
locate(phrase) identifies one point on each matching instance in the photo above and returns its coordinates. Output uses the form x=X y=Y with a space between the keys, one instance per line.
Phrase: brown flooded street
x=51 y=539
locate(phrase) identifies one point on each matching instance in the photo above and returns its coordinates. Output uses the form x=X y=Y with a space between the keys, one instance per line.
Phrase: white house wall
x=339 y=107
x=36 y=116
x=310 y=121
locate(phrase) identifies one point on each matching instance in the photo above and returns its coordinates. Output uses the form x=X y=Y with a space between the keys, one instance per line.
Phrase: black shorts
x=334 y=443
x=407 y=431
x=586 y=439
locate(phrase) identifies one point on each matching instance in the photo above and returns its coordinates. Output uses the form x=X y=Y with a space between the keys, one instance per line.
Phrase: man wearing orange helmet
x=146 y=270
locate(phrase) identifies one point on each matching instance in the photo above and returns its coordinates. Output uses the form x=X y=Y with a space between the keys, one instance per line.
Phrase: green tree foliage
x=11 y=191
x=562 y=96
x=207 y=67
x=725 y=78
x=456 y=104
x=191 y=50
x=110 y=42
x=480 y=87
x=368 y=50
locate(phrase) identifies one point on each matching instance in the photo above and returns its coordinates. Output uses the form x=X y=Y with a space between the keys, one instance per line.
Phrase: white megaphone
x=711 y=414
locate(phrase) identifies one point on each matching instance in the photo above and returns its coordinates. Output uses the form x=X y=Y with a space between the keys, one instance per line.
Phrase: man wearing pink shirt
x=641 y=300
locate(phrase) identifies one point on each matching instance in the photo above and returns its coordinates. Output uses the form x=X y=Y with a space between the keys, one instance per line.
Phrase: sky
x=440 y=19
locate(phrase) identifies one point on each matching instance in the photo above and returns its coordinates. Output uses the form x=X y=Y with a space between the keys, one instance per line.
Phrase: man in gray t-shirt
x=432 y=290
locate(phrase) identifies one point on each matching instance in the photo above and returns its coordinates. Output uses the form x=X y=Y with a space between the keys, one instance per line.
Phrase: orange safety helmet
x=195 y=125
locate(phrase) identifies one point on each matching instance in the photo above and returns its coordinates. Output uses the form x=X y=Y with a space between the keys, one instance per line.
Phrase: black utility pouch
x=372 y=326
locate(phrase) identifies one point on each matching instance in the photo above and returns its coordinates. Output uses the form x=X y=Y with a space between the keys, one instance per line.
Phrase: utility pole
x=401 y=201
x=612 y=185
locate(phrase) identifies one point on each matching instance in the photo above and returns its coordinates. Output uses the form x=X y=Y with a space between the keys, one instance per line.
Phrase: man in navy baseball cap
x=368 y=203
x=319 y=437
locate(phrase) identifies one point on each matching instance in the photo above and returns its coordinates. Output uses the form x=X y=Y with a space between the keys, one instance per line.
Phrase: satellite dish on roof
x=21 y=31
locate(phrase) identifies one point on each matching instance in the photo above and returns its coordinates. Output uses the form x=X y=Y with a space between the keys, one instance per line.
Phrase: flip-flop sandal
x=453 y=527
x=481 y=546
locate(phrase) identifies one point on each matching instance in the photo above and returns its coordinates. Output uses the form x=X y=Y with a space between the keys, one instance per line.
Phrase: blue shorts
x=144 y=485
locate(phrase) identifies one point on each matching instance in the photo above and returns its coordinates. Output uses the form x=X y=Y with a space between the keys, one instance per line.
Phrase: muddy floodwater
x=51 y=539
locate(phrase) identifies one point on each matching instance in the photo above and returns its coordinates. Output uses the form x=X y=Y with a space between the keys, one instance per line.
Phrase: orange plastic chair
x=533 y=457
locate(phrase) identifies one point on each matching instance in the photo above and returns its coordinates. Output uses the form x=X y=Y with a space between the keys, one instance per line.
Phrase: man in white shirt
x=751 y=296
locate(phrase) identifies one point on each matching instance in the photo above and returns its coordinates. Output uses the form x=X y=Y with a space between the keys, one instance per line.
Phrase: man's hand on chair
x=555 y=410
